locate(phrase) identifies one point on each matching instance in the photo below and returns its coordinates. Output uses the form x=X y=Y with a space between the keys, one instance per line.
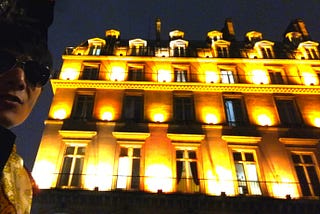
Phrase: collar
x=7 y=139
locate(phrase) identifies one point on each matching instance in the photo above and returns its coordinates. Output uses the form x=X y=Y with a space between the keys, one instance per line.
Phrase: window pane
x=192 y=155
x=123 y=152
x=252 y=177
x=307 y=159
x=81 y=151
x=65 y=172
x=76 y=177
x=303 y=181
x=314 y=180
x=237 y=156
x=136 y=152
x=296 y=158
x=70 y=150
x=135 y=180
x=179 y=154
x=242 y=184
x=249 y=156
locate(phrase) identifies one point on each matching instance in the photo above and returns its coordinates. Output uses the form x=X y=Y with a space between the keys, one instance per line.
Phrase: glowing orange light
x=43 y=173
x=284 y=188
x=99 y=176
x=309 y=79
x=259 y=77
x=60 y=113
x=164 y=76
x=211 y=119
x=211 y=77
x=69 y=74
x=317 y=122
x=159 y=177
x=264 y=120
x=117 y=73
x=159 y=117
x=107 y=116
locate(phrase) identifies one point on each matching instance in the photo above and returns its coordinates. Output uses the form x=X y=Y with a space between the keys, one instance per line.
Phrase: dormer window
x=137 y=47
x=176 y=34
x=264 y=49
x=113 y=33
x=219 y=46
x=95 y=46
x=254 y=36
x=309 y=50
x=294 y=37
x=178 y=47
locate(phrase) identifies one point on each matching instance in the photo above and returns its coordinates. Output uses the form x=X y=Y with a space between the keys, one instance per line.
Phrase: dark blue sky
x=76 y=21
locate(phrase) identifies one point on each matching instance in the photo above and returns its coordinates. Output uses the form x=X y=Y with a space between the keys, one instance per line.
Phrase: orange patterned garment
x=5 y=205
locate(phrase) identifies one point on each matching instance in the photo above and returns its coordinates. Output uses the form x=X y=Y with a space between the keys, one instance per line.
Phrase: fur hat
x=24 y=27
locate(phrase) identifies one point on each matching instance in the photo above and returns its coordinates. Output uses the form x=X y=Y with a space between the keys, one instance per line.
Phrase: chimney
x=228 y=30
x=158 y=31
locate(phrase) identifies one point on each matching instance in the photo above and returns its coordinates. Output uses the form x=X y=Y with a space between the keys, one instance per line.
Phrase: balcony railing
x=186 y=185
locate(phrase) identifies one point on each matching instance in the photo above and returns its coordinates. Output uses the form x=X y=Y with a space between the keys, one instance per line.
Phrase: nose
x=14 y=79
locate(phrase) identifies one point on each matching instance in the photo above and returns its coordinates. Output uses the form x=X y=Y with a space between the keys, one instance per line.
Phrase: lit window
x=71 y=171
x=267 y=52
x=306 y=170
x=180 y=75
x=235 y=111
x=312 y=53
x=183 y=109
x=90 y=73
x=136 y=73
x=187 y=171
x=83 y=107
x=129 y=168
x=226 y=76
x=246 y=171
x=133 y=108
x=288 y=112
x=222 y=51
x=275 y=77
x=95 y=49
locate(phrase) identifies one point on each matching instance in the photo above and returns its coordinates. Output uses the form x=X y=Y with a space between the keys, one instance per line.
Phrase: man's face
x=17 y=97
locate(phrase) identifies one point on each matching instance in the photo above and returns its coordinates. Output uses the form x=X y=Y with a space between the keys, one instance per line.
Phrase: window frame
x=244 y=114
x=87 y=111
x=284 y=118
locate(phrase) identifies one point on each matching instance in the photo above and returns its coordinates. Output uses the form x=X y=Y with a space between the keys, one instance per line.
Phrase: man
x=24 y=69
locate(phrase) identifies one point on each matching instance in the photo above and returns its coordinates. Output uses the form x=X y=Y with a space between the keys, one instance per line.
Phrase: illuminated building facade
x=139 y=125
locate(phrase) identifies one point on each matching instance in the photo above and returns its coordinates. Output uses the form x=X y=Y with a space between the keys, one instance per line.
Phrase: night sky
x=76 y=21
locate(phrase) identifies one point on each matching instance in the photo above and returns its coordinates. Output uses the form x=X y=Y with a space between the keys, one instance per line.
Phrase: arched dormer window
x=254 y=36
x=294 y=37
x=264 y=49
x=95 y=46
x=214 y=35
x=308 y=50
x=178 y=47
x=113 y=33
x=176 y=34
x=137 y=47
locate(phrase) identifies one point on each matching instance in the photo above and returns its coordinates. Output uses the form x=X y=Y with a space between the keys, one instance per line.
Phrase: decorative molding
x=190 y=86
x=186 y=137
x=77 y=134
x=241 y=139
x=299 y=141
x=131 y=136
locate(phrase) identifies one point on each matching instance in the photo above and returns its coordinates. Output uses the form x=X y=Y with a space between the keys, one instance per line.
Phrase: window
x=136 y=73
x=288 y=112
x=312 y=53
x=179 y=51
x=275 y=77
x=267 y=52
x=90 y=73
x=180 y=75
x=183 y=109
x=306 y=171
x=95 y=49
x=187 y=171
x=83 y=107
x=129 y=168
x=226 y=76
x=235 y=111
x=246 y=171
x=71 y=171
x=222 y=51
x=133 y=108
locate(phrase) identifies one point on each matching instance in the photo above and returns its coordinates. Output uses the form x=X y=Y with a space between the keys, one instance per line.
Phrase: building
x=178 y=126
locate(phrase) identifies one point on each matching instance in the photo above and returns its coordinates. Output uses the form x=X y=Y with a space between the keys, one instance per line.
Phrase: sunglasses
x=36 y=74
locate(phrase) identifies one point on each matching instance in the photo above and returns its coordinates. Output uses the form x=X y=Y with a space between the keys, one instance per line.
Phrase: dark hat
x=24 y=27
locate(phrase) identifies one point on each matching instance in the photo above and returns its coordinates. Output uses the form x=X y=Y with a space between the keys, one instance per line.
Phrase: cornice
x=195 y=87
